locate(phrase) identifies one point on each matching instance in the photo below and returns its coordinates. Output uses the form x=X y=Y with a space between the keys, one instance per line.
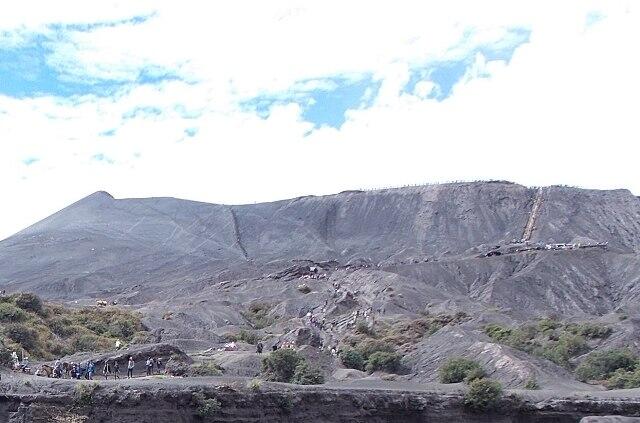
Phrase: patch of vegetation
x=623 y=379
x=244 y=336
x=11 y=313
x=498 y=333
x=363 y=353
x=286 y=365
x=531 y=384
x=601 y=365
x=258 y=315
x=23 y=334
x=560 y=351
x=406 y=333
x=549 y=338
x=364 y=329
x=205 y=368
x=89 y=342
x=5 y=356
x=457 y=369
x=29 y=302
x=83 y=394
x=142 y=337
x=368 y=347
x=381 y=360
x=483 y=395
x=589 y=330
x=306 y=375
x=280 y=365
x=205 y=407
x=352 y=359
x=47 y=330
x=547 y=324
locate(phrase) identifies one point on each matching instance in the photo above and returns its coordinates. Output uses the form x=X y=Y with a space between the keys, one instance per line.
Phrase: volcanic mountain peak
x=497 y=251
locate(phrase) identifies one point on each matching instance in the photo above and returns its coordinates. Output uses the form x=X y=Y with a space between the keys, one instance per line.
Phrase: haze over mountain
x=485 y=248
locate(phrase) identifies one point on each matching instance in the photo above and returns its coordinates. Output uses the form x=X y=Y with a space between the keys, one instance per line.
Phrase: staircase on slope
x=533 y=216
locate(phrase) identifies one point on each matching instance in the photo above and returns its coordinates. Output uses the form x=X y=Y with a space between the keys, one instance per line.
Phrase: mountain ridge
x=500 y=252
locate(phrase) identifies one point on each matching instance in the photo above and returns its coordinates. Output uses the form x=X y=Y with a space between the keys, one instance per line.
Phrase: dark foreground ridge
x=538 y=287
x=236 y=400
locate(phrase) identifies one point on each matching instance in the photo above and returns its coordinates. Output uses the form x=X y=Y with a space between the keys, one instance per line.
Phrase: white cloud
x=563 y=110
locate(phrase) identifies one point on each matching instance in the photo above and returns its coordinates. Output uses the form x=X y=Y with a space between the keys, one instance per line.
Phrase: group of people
x=22 y=365
x=151 y=363
x=87 y=369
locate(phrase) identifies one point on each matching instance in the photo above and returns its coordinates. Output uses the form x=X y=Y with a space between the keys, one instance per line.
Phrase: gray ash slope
x=403 y=251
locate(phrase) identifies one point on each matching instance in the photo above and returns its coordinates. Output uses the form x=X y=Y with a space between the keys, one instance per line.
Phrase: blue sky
x=213 y=103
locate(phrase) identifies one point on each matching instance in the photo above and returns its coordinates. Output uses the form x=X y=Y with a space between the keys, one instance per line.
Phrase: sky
x=250 y=101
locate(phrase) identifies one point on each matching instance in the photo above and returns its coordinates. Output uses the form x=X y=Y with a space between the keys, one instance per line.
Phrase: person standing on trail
x=106 y=370
x=116 y=370
x=130 y=365
x=91 y=369
x=259 y=348
x=57 y=369
x=158 y=365
x=149 y=364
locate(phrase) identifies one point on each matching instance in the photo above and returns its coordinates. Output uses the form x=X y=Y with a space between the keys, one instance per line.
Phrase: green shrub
x=61 y=326
x=305 y=375
x=280 y=365
x=623 y=379
x=57 y=348
x=122 y=328
x=548 y=324
x=352 y=359
x=589 y=330
x=96 y=326
x=258 y=315
x=531 y=384
x=457 y=369
x=89 y=342
x=364 y=329
x=385 y=361
x=477 y=373
x=483 y=395
x=23 y=334
x=29 y=302
x=371 y=346
x=5 y=357
x=205 y=407
x=142 y=337
x=83 y=394
x=549 y=338
x=11 y=313
x=248 y=337
x=600 y=365
x=564 y=348
x=206 y=368
x=497 y=332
